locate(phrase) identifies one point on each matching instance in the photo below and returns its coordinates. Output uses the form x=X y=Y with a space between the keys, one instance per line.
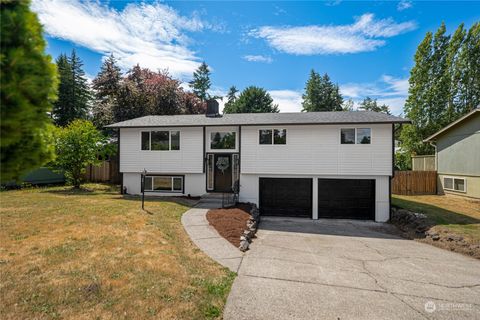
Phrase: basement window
x=454 y=184
x=164 y=184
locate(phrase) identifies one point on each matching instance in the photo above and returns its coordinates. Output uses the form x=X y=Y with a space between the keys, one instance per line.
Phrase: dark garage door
x=288 y=197
x=346 y=198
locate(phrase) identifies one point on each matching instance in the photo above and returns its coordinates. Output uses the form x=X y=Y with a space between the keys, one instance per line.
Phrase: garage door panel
x=346 y=198
x=289 y=197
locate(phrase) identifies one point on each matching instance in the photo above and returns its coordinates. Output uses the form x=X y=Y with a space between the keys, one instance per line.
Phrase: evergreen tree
x=201 y=82
x=369 y=104
x=321 y=94
x=252 y=100
x=231 y=97
x=74 y=92
x=106 y=86
x=28 y=86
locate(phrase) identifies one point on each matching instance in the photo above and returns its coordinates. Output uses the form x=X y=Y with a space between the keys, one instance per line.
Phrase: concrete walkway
x=207 y=238
x=338 y=269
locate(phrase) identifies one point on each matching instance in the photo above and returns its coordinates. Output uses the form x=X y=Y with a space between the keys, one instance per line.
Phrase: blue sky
x=366 y=47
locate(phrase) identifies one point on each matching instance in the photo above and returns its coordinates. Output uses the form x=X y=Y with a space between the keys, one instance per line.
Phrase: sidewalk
x=207 y=238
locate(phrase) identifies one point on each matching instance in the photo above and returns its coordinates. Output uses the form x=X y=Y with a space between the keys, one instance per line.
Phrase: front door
x=223 y=172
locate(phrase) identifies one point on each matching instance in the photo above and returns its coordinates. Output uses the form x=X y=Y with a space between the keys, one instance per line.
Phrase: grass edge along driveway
x=95 y=254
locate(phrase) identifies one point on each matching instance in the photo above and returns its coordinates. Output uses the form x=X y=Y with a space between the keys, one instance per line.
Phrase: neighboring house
x=307 y=164
x=458 y=156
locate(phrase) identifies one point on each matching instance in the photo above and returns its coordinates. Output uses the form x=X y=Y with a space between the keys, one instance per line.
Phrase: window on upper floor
x=160 y=140
x=272 y=136
x=222 y=140
x=355 y=136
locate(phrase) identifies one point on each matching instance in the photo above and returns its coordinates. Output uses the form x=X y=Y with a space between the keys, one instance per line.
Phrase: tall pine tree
x=106 y=86
x=74 y=93
x=201 y=82
x=231 y=97
x=321 y=94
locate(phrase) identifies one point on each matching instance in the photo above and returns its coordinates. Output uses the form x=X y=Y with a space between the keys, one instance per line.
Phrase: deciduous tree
x=79 y=145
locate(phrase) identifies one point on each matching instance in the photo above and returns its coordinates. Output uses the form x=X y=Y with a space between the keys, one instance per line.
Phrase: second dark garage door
x=346 y=198
x=288 y=197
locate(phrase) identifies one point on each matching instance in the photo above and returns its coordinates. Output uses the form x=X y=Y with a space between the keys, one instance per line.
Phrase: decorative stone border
x=251 y=230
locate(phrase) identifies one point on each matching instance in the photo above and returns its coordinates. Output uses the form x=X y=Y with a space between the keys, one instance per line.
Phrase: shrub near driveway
x=94 y=254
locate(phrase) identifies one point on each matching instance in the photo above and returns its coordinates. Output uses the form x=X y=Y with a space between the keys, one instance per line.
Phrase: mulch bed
x=230 y=222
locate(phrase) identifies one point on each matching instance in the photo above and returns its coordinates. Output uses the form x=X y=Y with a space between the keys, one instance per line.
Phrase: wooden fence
x=423 y=163
x=106 y=172
x=414 y=182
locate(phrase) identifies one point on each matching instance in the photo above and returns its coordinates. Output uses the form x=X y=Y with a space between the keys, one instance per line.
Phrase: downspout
x=393 y=170
x=118 y=162
x=434 y=145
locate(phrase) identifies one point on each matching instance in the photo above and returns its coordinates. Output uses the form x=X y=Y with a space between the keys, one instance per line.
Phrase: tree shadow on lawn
x=84 y=191
x=185 y=201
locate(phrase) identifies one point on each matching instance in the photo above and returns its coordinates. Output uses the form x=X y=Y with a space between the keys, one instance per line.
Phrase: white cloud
x=152 y=35
x=366 y=34
x=387 y=90
x=258 y=58
x=404 y=4
x=287 y=100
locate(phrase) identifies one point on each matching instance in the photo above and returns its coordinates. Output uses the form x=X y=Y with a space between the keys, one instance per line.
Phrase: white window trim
x=171 y=181
x=222 y=150
x=273 y=136
x=453 y=184
x=355 y=140
x=169 y=140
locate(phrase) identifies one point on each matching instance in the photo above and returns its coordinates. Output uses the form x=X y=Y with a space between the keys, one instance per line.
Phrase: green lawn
x=447 y=213
x=96 y=255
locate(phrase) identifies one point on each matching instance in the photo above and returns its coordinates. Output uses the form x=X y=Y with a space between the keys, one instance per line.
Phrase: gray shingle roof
x=339 y=117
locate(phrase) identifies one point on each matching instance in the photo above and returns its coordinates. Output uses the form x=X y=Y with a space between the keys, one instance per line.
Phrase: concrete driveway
x=338 y=269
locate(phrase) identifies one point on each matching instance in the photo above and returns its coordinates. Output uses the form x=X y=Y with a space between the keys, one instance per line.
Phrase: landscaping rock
x=244 y=245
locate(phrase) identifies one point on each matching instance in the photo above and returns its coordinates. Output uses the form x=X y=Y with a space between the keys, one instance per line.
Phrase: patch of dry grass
x=94 y=254
x=449 y=213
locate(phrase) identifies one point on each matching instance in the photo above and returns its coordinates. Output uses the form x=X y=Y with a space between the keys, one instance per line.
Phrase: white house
x=309 y=164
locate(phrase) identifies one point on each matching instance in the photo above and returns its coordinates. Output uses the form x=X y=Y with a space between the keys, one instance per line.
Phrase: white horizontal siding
x=316 y=149
x=189 y=159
